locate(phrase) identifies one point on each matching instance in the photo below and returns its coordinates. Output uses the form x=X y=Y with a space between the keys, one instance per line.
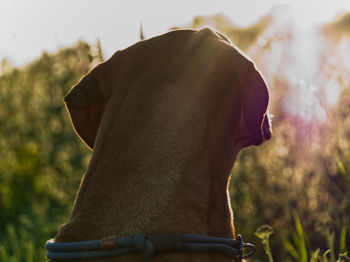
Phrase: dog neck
x=157 y=174
x=184 y=194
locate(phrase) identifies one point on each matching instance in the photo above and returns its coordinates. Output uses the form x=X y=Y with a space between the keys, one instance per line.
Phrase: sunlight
x=312 y=12
x=332 y=90
x=298 y=56
x=312 y=91
x=302 y=99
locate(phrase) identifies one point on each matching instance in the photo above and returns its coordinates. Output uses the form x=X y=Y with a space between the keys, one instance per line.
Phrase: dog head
x=183 y=80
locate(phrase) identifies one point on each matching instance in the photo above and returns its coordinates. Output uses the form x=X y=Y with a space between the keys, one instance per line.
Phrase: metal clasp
x=242 y=246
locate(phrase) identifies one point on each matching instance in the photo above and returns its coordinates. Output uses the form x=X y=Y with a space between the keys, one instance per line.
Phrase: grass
x=299 y=248
x=264 y=232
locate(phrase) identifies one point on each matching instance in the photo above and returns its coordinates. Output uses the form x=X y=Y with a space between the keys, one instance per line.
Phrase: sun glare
x=301 y=54
x=302 y=72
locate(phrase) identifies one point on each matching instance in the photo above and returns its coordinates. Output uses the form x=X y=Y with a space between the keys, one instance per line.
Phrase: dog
x=165 y=119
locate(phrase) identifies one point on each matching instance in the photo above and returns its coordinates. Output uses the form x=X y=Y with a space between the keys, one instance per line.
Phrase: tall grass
x=299 y=248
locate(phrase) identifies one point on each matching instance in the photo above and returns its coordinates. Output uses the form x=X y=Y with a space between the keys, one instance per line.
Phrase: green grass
x=298 y=248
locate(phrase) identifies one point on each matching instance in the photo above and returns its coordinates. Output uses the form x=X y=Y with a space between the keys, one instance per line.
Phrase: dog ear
x=255 y=97
x=85 y=103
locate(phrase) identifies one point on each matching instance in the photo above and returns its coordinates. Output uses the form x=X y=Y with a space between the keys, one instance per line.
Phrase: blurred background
x=298 y=183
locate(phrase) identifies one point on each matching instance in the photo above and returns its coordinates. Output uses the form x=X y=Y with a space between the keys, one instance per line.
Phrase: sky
x=27 y=28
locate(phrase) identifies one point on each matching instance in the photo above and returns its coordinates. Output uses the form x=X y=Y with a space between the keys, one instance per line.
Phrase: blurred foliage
x=41 y=159
x=242 y=37
x=299 y=182
x=339 y=27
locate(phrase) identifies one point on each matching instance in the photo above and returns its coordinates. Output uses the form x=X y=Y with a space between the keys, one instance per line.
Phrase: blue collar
x=148 y=246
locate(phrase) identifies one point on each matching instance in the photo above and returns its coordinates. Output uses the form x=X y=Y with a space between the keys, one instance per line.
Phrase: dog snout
x=267 y=130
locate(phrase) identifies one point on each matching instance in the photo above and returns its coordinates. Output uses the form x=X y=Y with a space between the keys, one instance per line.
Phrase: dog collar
x=148 y=246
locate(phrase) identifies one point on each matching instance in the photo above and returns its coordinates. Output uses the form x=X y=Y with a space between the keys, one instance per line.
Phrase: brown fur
x=166 y=118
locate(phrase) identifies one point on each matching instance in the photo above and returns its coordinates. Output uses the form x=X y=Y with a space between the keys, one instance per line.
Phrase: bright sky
x=29 y=27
